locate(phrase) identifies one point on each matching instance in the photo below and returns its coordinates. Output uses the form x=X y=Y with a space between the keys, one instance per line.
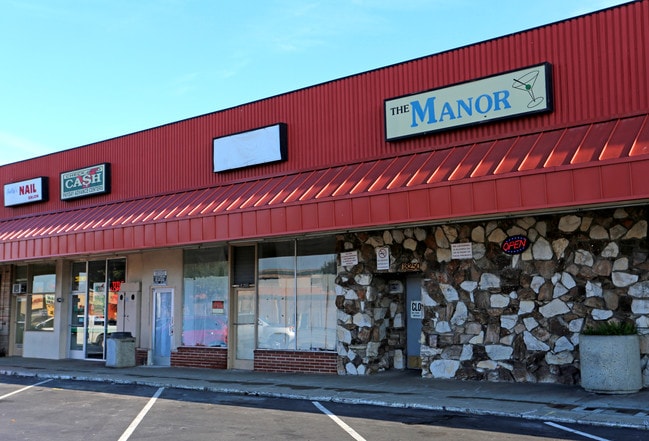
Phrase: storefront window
x=205 y=299
x=296 y=295
x=41 y=288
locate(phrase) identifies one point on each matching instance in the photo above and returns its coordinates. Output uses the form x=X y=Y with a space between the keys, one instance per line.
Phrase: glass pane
x=79 y=277
x=245 y=326
x=77 y=321
x=163 y=326
x=116 y=276
x=316 y=296
x=21 y=316
x=205 y=298
x=276 y=322
x=96 y=320
x=43 y=278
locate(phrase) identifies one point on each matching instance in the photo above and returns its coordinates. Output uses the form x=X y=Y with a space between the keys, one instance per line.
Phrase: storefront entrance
x=244 y=328
x=415 y=316
x=20 y=315
x=93 y=306
x=163 y=326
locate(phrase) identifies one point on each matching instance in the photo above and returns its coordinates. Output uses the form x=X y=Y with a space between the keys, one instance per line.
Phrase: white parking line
x=138 y=419
x=577 y=432
x=338 y=421
x=24 y=389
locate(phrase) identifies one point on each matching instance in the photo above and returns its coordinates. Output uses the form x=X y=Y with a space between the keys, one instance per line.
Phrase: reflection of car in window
x=274 y=336
x=205 y=331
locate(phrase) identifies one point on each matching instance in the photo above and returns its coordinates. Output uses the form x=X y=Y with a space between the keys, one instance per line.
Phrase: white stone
x=410 y=244
x=343 y=335
x=617 y=232
x=620 y=213
x=499 y=301
x=442 y=327
x=469 y=286
x=533 y=343
x=601 y=314
x=542 y=228
x=363 y=279
x=399 y=359
x=460 y=315
x=563 y=344
x=611 y=251
x=526 y=222
x=450 y=232
x=640 y=290
x=397 y=236
x=478 y=234
x=398 y=321
x=479 y=250
x=508 y=321
x=375 y=241
x=343 y=317
x=361 y=370
x=593 y=289
x=441 y=239
x=516 y=231
x=488 y=280
x=467 y=352
x=387 y=238
x=541 y=250
x=444 y=368
x=537 y=283
x=427 y=300
x=351 y=369
x=554 y=308
x=497 y=236
x=379 y=313
x=555 y=278
x=638 y=231
x=640 y=306
x=507 y=340
x=559 y=247
x=642 y=322
x=478 y=339
x=350 y=294
x=373 y=348
x=598 y=233
x=569 y=223
x=487 y=364
x=420 y=234
x=567 y=280
x=444 y=255
x=621 y=279
x=621 y=264
x=450 y=294
x=559 y=358
x=363 y=320
x=583 y=257
x=559 y=290
x=499 y=352
x=530 y=323
x=576 y=325
x=525 y=307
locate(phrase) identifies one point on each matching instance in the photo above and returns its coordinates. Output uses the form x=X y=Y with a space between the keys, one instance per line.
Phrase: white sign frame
x=26 y=192
x=501 y=96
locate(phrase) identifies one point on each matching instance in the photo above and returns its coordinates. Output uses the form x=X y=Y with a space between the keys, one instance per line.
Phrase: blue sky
x=74 y=72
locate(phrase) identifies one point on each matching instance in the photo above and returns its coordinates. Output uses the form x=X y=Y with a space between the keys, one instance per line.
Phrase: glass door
x=77 y=325
x=244 y=328
x=19 y=325
x=163 y=325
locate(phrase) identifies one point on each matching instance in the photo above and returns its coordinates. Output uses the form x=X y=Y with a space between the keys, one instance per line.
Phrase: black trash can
x=120 y=350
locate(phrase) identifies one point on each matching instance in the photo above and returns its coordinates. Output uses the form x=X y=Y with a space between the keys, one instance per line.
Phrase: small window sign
x=462 y=250
x=160 y=277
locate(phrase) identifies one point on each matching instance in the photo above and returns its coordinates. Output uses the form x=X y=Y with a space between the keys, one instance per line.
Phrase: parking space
x=32 y=409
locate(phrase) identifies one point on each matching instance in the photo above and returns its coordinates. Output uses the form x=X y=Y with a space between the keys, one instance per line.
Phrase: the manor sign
x=500 y=96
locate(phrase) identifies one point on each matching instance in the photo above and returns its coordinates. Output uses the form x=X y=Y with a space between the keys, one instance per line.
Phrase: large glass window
x=39 y=283
x=205 y=298
x=296 y=295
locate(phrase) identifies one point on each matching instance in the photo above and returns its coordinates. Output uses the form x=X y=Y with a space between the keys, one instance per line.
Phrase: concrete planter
x=610 y=364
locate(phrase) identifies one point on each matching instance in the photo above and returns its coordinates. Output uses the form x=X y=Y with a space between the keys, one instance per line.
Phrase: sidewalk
x=546 y=402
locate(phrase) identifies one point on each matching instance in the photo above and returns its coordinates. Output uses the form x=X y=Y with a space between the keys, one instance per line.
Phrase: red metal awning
x=595 y=164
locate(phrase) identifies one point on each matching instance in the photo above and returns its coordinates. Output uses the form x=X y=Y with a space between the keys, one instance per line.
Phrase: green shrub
x=612 y=328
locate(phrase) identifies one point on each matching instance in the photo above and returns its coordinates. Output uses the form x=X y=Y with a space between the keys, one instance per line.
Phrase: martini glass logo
x=526 y=84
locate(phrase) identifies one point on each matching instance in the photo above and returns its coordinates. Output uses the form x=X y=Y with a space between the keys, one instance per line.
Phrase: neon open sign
x=515 y=244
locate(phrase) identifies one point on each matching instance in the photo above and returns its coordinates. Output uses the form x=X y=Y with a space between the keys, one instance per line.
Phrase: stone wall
x=496 y=317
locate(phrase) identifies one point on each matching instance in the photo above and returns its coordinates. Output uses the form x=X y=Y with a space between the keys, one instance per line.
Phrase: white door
x=244 y=328
x=163 y=326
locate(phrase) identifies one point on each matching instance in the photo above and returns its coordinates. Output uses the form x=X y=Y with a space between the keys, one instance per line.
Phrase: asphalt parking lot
x=33 y=409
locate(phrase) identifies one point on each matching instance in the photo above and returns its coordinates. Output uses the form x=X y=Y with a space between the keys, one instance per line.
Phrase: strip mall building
x=466 y=214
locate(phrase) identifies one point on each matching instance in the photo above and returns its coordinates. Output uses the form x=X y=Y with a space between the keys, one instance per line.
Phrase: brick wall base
x=141 y=357
x=200 y=357
x=304 y=362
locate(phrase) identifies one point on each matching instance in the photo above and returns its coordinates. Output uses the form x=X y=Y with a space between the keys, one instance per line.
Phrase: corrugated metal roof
x=580 y=165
